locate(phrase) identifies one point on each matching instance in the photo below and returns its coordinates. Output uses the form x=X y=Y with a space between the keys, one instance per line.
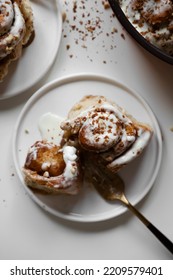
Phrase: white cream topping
x=49 y=127
x=101 y=128
x=70 y=157
x=136 y=149
x=45 y=165
x=46 y=174
x=33 y=153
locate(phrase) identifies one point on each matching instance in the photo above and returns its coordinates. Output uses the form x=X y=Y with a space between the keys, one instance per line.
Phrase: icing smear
x=70 y=157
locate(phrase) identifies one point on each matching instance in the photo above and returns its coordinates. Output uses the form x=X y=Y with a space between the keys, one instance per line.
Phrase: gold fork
x=111 y=187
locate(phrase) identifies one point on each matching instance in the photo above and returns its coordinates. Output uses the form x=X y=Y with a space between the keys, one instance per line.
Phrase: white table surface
x=27 y=232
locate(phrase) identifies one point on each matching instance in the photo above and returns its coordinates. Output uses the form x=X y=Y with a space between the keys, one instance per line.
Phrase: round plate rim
x=82 y=77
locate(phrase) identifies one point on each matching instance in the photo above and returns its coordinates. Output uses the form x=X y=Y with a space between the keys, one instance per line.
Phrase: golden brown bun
x=45 y=169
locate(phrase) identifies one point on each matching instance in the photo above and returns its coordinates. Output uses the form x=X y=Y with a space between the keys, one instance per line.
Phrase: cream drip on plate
x=49 y=127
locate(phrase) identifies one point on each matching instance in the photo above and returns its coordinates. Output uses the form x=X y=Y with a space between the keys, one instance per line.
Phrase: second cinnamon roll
x=103 y=128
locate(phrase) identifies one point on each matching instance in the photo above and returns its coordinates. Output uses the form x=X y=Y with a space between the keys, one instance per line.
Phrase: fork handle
x=163 y=239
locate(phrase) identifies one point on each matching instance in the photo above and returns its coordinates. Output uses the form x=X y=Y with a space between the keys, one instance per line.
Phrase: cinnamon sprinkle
x=88 y=24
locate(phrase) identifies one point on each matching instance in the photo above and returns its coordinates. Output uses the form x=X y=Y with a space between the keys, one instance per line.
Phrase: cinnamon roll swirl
x=103 y=129
x=53 y=169
x=153 y=19
x=16 y=30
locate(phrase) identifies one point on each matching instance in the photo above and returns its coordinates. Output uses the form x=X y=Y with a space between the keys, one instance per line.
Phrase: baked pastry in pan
x=153 y=20
x=16 y=31
x=99 y=126
x=53 y=169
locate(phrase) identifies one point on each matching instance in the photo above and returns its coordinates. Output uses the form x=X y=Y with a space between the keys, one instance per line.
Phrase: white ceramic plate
x=58 y=97
x=38 y=57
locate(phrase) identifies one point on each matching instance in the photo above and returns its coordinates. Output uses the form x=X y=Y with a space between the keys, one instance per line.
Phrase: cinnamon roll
x=53 y=169
x=16 y=31
x=153 y=19
x=106 y=131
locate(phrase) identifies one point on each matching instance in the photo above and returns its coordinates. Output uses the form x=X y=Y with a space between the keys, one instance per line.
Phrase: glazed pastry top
x=103 y=127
